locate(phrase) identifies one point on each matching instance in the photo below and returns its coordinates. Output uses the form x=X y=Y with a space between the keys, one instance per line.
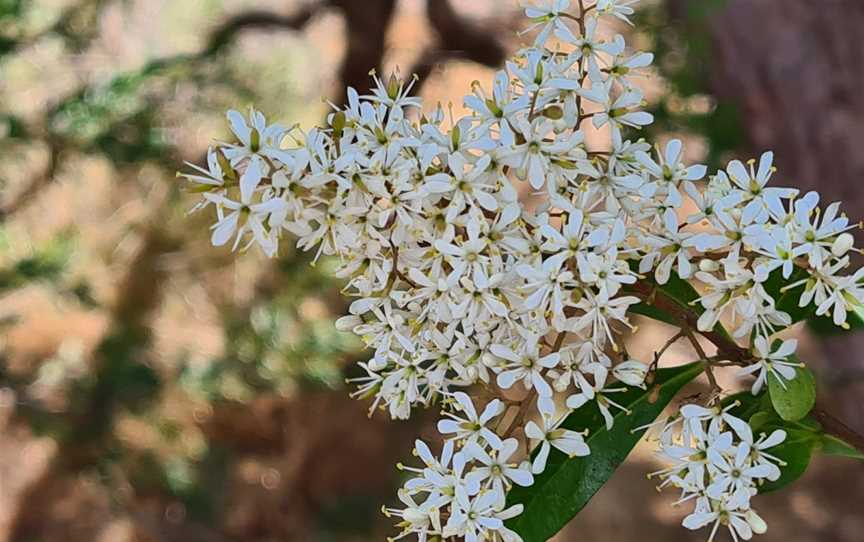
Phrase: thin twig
x=833 y=426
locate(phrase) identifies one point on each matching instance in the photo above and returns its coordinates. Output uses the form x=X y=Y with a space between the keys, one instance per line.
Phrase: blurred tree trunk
x=796 y=68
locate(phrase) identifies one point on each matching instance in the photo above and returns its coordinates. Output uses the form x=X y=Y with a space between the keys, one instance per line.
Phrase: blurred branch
x=227 y=32
x=121 y=379
x=835 y=427
x=366 y=23
x=457 y=39
x=36 y=183
x=77 y=24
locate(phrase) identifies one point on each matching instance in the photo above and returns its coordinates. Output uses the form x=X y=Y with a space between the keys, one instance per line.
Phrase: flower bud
x=756 y=523
x=393 y=87
x=631 y=372
x=338 y=123
x=708 y=266
x=553 y=112
x=842 y=245
x=348 y=323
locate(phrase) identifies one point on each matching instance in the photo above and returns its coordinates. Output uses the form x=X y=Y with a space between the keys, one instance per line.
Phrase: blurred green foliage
x=682 y=52
x=261 y=337
x=279 y=342
x=44 y=263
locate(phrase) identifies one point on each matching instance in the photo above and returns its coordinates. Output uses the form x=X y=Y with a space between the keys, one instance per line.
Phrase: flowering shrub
x=458 y=286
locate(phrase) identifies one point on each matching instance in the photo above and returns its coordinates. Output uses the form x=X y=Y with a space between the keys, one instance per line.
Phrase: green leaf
x=748 y=404
x=654 y=313
x=832 y=445
x=567 y=485
x=761 y=420
x=795 y=452
x=793 y=399
x=677 y=289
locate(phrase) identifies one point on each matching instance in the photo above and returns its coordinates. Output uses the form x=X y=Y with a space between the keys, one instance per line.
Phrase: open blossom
x=551 y=435
x=717 y=466
x=772 y=363
x=458 y=286
x=471 y=426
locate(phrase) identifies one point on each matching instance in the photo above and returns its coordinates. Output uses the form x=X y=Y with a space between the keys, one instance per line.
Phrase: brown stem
x=524 y=408
x=734 y=354
x=658 y=354
x=833 y=426
x=559 y=341
x=726 y=347
x=366 y=28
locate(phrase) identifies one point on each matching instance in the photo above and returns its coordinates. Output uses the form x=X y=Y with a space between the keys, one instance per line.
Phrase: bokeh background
x=153 y=388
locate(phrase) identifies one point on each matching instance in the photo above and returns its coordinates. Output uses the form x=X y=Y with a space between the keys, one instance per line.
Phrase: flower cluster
x=462 y=491
x=458 y=283
x=716 y=463
x=757 y=229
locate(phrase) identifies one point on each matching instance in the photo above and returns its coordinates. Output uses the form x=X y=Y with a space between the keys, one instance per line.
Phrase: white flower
x=422 y=519
x=244 y=216
x=526 y=366
x=758 y=455
x=455 y=282
x=552 y=435
x=605 y=271
x=670 y=173
x=502 y=104
x=546 y=284
x=599 y=313
x=467 y=188
x=632 y=373
x=214 y=174
x=734 y=479
x=740 y=523
x=256 y=138
x=546 y=15
x=670 y=248
x=717 y=472
x=537 y=155
x=772 y=362
x=494 y=472
x=470 y=425
x=622 y=112
x=618 y=8
x=599 y=394
x=750 y=188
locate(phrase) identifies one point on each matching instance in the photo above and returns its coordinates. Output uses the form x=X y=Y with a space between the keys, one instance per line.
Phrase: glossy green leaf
x=567 y=485
x=654 y=313
x=761 y=420
x=832 y=445
x=793 y=399
x=795 y=452
x=747 y=403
